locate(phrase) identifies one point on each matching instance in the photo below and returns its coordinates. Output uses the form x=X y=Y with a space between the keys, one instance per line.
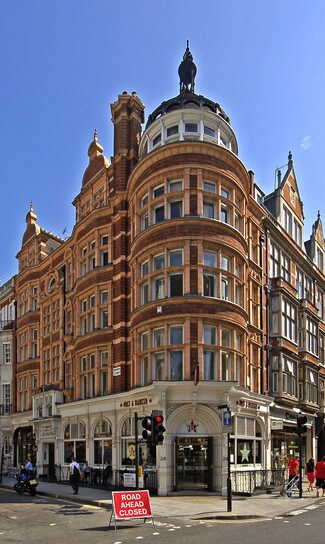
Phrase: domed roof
x=97 y=161
x=187 y=117
x=187 y=98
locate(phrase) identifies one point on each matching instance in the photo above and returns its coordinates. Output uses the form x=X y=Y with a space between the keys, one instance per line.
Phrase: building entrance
x=192 y=465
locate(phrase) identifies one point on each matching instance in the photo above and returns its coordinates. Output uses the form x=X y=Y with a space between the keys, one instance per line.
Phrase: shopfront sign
x=129 y=480
x=130 y=505
x=276 y=424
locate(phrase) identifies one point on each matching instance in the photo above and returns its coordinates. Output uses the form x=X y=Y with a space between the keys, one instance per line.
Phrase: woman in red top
x=320 y=476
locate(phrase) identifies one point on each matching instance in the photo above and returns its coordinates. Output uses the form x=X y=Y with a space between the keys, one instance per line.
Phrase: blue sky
x=63 y=62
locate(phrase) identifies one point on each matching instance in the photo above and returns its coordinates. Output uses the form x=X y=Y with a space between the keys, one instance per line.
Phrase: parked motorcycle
x=26 y=482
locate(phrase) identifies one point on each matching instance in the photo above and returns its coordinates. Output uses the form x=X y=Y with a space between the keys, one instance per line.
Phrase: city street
x=27 y=519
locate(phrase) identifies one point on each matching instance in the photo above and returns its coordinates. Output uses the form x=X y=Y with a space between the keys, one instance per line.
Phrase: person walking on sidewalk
x=74 y=475
x=293 y=467
x=320 y=476
x=310 y=471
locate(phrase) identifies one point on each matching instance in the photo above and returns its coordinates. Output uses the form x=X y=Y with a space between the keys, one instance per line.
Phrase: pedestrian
x=293 y=467
x=310 y=471
x=320 y=476
x=74 y=475
x=28 y=466
x=107 y=472
x=86 y=470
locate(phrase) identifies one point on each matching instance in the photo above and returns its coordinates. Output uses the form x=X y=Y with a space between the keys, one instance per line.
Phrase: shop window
x=103 y=443
x=246 y=446
x=75 y=442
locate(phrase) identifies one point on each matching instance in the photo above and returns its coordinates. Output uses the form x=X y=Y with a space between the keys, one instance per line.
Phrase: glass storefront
x=285 y=444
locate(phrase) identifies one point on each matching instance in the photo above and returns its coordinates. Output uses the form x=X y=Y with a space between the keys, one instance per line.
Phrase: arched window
x=75 y=442
x=103 y=443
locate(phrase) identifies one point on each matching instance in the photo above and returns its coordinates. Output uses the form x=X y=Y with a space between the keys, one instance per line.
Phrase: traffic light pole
x=136 y=451
x=229 y=504
x=300 y=466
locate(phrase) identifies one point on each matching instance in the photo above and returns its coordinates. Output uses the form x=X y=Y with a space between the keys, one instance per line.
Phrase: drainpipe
x=63 y=271
x=262 y=240
x=267 y=309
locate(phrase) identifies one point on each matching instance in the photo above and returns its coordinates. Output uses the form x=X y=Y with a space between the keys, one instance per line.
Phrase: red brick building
x=177 y=290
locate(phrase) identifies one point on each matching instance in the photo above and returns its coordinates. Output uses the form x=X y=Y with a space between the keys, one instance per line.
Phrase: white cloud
x=305 y=142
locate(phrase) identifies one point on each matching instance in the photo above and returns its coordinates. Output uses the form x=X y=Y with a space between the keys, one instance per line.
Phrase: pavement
x=198 y=506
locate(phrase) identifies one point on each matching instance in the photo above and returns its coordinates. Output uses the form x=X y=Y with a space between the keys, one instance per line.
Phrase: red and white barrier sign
x=131 y=504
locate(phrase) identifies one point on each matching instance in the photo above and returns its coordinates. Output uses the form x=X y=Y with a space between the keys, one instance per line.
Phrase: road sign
x=130 y=505
x=227 y=417
x=227 y=421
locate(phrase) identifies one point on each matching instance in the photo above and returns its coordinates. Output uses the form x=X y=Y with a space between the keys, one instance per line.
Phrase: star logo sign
x=245 y=453
x=191 y=427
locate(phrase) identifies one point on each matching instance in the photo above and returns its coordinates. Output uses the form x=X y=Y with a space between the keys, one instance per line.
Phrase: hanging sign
x=131 y=505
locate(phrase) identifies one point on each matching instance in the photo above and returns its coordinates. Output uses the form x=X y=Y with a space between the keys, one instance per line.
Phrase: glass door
x=192 y=463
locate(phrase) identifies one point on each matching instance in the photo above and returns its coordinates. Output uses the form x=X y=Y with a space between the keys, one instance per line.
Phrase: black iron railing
x=250 y=481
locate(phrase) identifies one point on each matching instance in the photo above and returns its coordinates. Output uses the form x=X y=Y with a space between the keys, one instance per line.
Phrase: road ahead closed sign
x=129 y=505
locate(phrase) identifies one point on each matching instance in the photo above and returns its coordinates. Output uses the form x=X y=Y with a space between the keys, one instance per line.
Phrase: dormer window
x=209 y=131
x=171 y=131
x=156 y=141
x=191 y=127
x=287 y=221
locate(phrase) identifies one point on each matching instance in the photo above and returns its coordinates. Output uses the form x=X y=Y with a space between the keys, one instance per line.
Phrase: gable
x=290 y=194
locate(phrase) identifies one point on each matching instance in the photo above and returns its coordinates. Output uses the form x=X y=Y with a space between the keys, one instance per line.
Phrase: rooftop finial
x=31 y=207
x=290 y=161
x=187 y=72
x=96 y=135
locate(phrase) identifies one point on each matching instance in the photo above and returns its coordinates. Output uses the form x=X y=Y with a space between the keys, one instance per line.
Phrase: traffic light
x=158 y=429
x=301 y=425
x=147 y=429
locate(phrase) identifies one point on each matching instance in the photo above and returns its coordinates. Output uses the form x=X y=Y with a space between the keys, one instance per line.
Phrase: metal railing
x=250 y=481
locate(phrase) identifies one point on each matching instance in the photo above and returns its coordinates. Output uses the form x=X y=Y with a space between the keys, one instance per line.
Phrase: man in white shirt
x=74 y=475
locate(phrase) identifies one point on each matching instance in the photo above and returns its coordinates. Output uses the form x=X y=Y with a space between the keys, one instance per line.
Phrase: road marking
x=155 y=533
x=285 y=521
x=138 y=537
x=171 y=529
x=297 y=512
x=51 y=524
x=307 y=523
